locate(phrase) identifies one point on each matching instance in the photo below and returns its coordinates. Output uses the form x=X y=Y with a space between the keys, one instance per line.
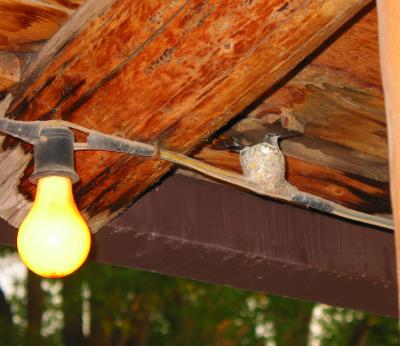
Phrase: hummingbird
x=272 y=138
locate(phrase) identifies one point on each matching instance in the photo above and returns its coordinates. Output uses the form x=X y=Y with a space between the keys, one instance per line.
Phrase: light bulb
x=53 y=240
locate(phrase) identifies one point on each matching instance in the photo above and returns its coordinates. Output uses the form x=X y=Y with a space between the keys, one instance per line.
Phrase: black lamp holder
x=54 y=145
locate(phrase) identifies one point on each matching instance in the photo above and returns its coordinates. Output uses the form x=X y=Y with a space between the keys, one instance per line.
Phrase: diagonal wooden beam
x=171 y=72
x=336 y=94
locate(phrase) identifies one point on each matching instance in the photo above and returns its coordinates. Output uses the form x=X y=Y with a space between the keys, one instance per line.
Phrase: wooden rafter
x=172 y=73
x=334 y=101
x=339 y=86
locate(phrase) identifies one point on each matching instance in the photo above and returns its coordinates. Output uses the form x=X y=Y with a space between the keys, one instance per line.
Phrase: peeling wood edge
x=13 y=205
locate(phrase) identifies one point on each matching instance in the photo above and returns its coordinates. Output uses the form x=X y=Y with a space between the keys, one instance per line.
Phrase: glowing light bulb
x=53 y=240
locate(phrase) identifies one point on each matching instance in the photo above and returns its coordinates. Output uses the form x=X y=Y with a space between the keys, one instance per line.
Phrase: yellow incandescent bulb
x=53 y=240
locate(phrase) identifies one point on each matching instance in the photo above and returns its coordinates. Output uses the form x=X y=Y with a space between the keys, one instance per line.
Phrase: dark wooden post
x=389 y=37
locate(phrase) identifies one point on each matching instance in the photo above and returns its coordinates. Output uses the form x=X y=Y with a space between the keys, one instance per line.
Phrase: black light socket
x=54 y=154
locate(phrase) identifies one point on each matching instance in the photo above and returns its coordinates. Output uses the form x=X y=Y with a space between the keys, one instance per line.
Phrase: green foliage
x=291 y=319
x=356 y=328
x=168 y=311
x=135 y=308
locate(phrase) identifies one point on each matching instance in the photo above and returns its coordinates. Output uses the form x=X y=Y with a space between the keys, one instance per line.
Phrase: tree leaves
x=136 y=308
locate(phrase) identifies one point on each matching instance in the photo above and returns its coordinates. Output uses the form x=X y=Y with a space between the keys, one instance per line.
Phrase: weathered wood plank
x=338 y=95
x=10 y=71
x=339 y=157
x=340 y=153
x=169 y=72
x=26 y=24
x=389 y=40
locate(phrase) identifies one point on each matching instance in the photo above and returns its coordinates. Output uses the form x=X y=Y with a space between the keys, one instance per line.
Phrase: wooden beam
x=26 y=24
x=336 y=94
x=171 y=72
x=389 y=39
x=214 y=233
x=334 y=101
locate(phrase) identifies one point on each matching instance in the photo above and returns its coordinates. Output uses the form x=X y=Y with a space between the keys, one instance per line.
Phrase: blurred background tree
x=103 y=305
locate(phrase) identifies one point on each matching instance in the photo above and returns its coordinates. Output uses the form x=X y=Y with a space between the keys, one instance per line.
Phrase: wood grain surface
x=334 y=103
x=172 y=72
x=337 y=96
x=26 y=24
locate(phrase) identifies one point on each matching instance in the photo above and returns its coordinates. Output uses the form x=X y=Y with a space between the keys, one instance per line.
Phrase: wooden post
x=389 y=37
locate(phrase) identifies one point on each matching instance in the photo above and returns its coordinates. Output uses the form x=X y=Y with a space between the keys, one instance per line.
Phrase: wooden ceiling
x=189 y=75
